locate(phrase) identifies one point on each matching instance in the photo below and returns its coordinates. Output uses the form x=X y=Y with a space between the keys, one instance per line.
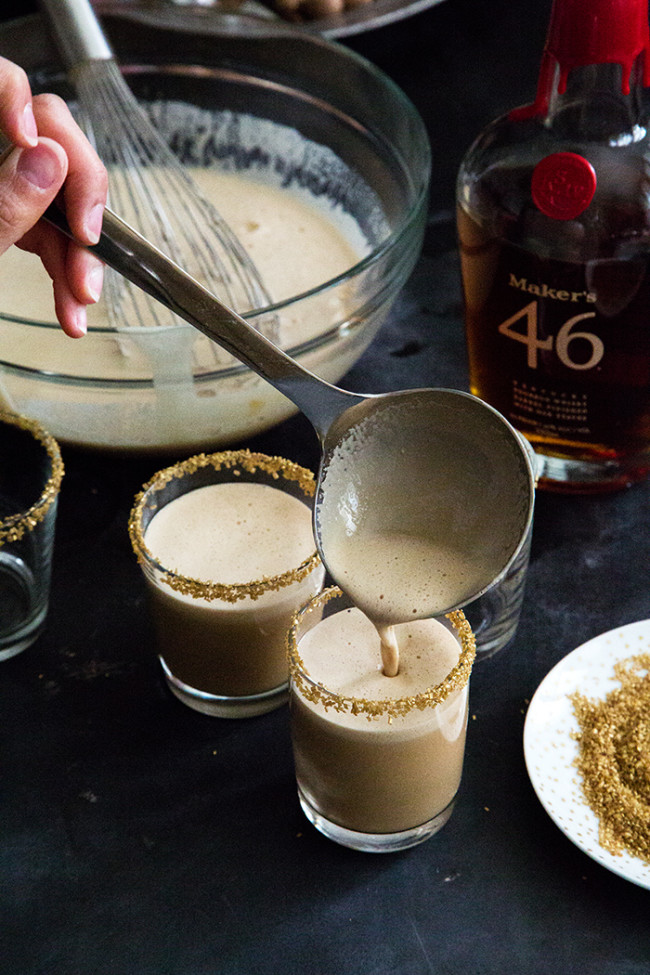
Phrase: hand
x=48 y=151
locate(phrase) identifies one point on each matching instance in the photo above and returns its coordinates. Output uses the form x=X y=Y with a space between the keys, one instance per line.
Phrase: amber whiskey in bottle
x=554 y=235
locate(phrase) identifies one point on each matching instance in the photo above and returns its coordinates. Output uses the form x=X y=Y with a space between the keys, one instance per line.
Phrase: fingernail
x=39 y=166
x=29 y=127
x=93 y=223
x=94 y=281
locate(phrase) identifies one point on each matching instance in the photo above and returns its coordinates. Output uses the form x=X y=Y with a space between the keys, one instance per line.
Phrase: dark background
x=138 y=836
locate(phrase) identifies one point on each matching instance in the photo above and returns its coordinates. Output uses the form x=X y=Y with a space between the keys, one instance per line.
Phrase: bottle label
x=561 y=349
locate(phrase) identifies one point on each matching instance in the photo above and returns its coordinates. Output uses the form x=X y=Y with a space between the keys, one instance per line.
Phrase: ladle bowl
x=435 y=464
x=438 y=462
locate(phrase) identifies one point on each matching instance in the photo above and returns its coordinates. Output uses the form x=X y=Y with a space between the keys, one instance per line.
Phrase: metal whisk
x=147 y=183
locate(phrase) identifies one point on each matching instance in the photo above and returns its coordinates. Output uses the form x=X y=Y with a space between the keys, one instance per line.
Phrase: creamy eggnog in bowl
x=227 y=549
x=378 y=758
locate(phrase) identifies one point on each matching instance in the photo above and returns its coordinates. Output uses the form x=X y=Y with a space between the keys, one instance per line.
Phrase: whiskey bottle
x=553 y=208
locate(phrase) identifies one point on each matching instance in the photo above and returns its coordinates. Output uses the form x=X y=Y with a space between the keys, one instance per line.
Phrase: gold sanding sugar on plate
x=614 y=758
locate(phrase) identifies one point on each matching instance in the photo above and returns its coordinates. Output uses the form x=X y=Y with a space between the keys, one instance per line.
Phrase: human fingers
x=16 y=111
x=76 y=275
x=29 y=181
x=86 y=184
x=80 y=286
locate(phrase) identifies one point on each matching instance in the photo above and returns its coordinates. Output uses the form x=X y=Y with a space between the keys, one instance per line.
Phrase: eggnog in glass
x=226 y=545
x=378 y=758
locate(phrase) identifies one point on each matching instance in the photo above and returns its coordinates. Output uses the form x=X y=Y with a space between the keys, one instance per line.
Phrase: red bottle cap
x=584 y=32
x=563 y=185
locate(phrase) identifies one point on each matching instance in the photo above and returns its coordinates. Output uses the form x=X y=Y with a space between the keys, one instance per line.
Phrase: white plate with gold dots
x=551 y=750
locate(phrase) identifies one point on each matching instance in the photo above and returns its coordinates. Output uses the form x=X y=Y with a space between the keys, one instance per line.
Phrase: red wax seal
x=563 y=185
x=584 y=32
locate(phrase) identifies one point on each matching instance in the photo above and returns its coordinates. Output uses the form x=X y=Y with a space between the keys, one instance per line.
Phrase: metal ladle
x=474 y=476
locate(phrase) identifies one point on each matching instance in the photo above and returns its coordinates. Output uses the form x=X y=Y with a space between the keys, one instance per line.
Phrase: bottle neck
x=596 y=62
x=596 y=105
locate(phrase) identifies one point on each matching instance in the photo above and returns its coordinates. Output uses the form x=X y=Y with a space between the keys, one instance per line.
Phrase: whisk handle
x=77 y=32
x=126 y=251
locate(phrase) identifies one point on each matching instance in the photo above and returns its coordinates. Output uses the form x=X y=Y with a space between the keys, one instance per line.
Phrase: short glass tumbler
x=222 y=644
x=31 y=471
x=377 y=775
x=494 y=616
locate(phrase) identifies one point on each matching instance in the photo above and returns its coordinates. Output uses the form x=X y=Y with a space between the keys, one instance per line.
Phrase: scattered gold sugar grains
x=614 y=758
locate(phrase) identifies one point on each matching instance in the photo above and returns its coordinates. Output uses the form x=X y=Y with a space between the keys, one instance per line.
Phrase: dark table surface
x=137 y=836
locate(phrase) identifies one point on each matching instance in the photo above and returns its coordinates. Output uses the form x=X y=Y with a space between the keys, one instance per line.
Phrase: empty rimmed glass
x=31 y=472
x=377 y=775
x=223 y=645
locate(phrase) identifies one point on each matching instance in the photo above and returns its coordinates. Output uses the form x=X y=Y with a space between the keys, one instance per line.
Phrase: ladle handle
x=126 y=251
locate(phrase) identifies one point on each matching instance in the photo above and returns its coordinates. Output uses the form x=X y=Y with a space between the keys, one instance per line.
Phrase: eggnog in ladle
x=423 y=504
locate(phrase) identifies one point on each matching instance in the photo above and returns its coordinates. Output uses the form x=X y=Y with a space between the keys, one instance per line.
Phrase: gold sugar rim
x=457 y=677
x=14 y=527
x=251 y=462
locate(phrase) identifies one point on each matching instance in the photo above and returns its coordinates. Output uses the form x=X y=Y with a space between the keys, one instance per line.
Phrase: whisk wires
x=151 y=190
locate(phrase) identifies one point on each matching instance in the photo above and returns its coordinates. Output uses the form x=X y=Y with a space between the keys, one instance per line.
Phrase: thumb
x=29 y=181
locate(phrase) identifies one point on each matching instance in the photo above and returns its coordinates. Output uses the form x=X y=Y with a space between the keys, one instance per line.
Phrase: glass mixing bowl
x=295 y=110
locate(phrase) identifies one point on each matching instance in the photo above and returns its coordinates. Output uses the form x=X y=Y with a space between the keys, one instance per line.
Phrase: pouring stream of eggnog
x=389 y=650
